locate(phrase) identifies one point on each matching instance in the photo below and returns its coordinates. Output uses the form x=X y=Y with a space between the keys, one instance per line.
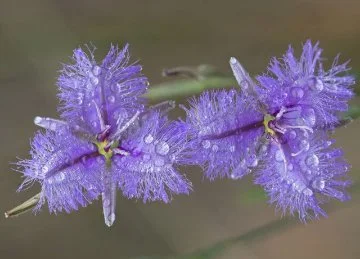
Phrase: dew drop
x=318 y=184
x=309 y=116
x=233 y=60
x=96 y=70
x=234 y=176
x=146 y=157
x=244 y=84
x=232 y=148
x=38 y=120
x=50 y=180
x=292 y=134
x=279 y=156
x=60 y=177
x=53 y=126
x=252 y=161
x=290 y=167
x=263 y=150
x=297 y=92
x=304 y=145
x=116 y=88
x=162 y=148
x=159 y=161
x=84 y=159
x=148 y=139
x=111 y=99
x=112 y=217
x=307 y=192
x=312 y=160
x=44 y=169
x=100 y=160
x=106 y=203
x=316 y=84
x=79 y=100
x=172 y=157
x=94 y=124
x=94 y=80
x=206 y=144
x=215 y=148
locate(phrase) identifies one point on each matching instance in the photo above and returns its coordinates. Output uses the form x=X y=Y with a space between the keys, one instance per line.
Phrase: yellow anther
x=266 y=122
x=102 y=151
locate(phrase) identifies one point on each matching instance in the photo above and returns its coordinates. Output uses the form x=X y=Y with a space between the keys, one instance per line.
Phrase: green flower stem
x=24 y=207
x=188 y=87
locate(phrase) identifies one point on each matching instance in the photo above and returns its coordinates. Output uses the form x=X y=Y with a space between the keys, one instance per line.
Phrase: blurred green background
x=36 y=36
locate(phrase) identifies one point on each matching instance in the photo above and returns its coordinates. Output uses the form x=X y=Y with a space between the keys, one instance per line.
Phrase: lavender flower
x=276 y=128
x=107 y=139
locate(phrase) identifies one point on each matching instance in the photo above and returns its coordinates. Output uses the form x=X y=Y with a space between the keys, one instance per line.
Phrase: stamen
x=119 y=151
x=299 y=152
x=299 y=127
x=127 y=125
x=280 y=113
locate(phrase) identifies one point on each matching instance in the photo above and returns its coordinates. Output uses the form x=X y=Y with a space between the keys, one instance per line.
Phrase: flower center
x=267 y=119
x=106 y=149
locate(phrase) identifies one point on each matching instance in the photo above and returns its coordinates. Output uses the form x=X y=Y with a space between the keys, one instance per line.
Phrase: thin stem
x=24 y=207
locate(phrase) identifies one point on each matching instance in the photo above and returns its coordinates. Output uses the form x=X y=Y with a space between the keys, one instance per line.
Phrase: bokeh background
x=36 y=36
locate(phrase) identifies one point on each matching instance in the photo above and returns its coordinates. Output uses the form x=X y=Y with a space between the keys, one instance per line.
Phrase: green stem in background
x=188 y=87
x=24 y=207
x=252 y=235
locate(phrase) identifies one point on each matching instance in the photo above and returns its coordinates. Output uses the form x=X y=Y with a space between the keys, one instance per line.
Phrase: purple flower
x=108 y=139
x=306 y=88
x=276 y=128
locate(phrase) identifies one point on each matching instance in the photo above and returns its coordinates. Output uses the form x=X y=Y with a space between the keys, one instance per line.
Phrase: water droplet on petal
x=316 y=84
x=60 y=177
x=146 y=157
x=111 y=99
x=292 y=134
x=312 y=160
x=53 y=126
x=215 y=148
x=206 y=144
x=172 y=157
x=318 y=184
x=307 y=192
x=148 y=139
x=232 y=148
x=116 y=88
x=290 y=167
x=94 y=80
x=44 y=169
x=309 y=116
x=79 y=100
x=100 y=160
x=304 y=145
x=234 y=176
x=279 y=156
x=297 y=93
x=96 y=70
x=252 y=161
x=159 y=161
x=112 y=217
x=162 y=148
x=106 y=203
x=83 y=159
